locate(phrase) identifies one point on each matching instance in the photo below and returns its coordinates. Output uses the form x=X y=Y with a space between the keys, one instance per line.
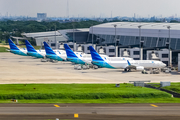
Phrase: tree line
x=15 y=28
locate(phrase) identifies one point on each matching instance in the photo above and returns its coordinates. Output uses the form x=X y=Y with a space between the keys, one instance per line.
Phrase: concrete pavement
x=21 y=69
x=91 y=111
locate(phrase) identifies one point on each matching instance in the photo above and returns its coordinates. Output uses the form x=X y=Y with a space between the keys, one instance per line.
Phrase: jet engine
x=140 y=68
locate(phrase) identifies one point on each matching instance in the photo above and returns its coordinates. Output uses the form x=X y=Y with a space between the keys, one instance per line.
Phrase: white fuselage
x=41 y=52
x=88 y=59
x=119 y=63
x=61 y=54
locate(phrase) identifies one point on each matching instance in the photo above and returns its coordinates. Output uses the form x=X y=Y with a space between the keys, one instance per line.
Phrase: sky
x=91 y=8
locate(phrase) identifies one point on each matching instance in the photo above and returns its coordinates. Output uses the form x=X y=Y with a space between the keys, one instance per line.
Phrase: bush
x=81 y=96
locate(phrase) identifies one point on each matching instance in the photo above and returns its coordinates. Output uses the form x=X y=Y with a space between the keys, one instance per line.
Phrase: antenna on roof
x=68 y=9
x=111 y=14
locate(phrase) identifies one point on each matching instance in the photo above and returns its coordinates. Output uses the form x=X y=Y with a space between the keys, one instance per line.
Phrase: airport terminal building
x=128 y=33
x=126 y=36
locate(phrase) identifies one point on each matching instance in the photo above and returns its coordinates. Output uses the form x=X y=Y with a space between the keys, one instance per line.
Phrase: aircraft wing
x=137 y=67
x=131 y=67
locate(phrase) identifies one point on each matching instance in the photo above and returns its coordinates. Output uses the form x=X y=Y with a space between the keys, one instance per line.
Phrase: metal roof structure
x=133 y=28
x=150 y=25
x=41 y=34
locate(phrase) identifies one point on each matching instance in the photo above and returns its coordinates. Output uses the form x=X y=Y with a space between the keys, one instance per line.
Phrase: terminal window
x=165 y=55
x=111 y=55
x=136 y=52
x=71 y=46
x=111 y=50
x=52 y=44
x=165 y=62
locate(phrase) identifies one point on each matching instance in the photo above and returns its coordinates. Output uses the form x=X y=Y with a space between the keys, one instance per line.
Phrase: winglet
x=48 y=49
x=12 y=45
x=128 y=62
x=69 y=52
x=29 y=47
x=95 y=56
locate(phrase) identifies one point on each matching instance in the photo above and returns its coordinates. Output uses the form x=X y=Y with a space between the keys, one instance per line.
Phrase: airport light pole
x=140 y=47
x=55 y=36
x=92 y=37
x=115 y=40
x=169 y=47
x=73 y=38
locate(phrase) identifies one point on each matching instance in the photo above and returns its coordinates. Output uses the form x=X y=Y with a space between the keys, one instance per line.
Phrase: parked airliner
x=14 y=49
x=77 y=57
x=82 y=58
x=34 y=53
x=59 y=55
x=123 y=64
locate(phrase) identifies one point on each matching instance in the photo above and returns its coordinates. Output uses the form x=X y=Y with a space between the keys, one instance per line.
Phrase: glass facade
x=133 y=40
x=178 y=44
x=80 y=37
x=173 y=43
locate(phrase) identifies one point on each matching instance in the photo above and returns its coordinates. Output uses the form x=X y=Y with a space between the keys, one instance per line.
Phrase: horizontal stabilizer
x=48 y=49
x=12 y=45
x=95 y=56
x=69 y=52
x=29 y=47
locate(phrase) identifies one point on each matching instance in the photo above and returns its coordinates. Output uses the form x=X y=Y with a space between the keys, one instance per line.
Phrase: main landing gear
x=127 y=70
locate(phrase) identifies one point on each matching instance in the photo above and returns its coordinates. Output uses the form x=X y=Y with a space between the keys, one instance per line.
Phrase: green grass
x=112 y=100
x=35 y=47
x=77 y=91
x=174 y=87
x=3 y=49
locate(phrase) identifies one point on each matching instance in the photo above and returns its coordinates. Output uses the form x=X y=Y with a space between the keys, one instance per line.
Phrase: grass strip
x=82 y=95
x=77 y=91
x=35 y=47
x=174 y=87
x=3 y=49
x=123 y=100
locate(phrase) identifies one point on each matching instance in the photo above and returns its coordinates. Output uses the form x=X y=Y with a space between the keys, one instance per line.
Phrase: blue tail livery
x=29 y=47
x=14 y=49
x=71 y=56
x=95 y=56
x=32 y=52
x=12 y=45
x=51 y=54
x=48 y=49
x=69 y=52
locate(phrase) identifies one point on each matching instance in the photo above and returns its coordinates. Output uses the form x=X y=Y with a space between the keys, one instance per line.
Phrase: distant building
x=80 y=36
x=41 y=16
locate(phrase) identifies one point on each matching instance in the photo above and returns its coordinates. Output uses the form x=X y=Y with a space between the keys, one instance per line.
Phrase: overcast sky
x=90 y=8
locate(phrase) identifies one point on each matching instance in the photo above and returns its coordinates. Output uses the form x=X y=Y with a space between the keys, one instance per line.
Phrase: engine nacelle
x=140 y=68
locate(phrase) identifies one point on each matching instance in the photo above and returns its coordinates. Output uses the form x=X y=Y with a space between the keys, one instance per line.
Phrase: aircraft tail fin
x=29 y=47
x=48 y=49
x=12 y=45
x=69 y=52
x=95 y=56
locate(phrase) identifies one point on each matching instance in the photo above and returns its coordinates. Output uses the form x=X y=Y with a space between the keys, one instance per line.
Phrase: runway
x=90 y=111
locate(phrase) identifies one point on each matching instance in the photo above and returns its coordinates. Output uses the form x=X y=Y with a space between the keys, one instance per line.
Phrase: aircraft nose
x=163 y=65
